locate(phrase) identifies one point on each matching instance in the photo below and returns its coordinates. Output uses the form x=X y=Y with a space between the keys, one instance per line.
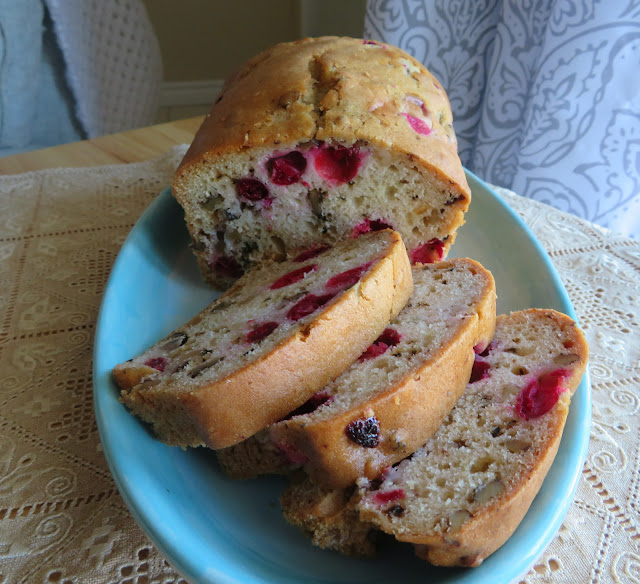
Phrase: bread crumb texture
x=317 y=140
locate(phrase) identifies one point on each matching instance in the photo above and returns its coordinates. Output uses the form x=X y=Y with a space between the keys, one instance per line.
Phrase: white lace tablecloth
x=61 y=517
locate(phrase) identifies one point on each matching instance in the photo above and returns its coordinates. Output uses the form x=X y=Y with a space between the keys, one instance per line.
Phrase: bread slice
x=270 y=342
x=316 y=140
x=461 y=495
x=388 y=403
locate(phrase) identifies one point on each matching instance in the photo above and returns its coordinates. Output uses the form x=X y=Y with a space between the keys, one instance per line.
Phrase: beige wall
x=332 y=17
x=207 y=39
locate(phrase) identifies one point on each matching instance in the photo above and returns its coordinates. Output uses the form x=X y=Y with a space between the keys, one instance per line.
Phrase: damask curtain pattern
x=545 y=94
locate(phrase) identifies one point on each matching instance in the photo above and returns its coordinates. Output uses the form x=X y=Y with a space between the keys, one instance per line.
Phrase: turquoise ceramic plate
x=213 y=529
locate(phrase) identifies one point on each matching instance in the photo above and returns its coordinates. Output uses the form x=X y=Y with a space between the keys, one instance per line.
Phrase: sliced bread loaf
x=461 y=495
x=317 y=140
x=270 y=342
x=394 y=397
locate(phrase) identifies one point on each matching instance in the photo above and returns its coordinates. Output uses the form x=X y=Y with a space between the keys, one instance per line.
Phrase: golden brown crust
x=127 y=376
x=226 y=411
x=337 y=89
x=410 y=411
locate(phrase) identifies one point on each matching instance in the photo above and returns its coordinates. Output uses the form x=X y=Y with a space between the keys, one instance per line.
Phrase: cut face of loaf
x=460 y=496
x=270 y=342
x=388 y=403
x=317 y=140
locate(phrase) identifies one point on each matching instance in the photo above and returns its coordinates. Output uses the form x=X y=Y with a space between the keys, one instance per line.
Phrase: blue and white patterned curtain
x=545 y=93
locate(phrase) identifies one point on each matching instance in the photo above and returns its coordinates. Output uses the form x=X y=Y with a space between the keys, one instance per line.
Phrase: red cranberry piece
x=260 y=332
x=287 y=169
x=348 y=278
x=227 y=267
x=338 y=165
x=427 y=253
x=364 y=432
x=480 y=370
x=483 y=351
x=307 y=305
x=251 y=189
x=384 y=497
x=293 y=276
x=312 y=252
x=158 y=363
x=374 y=350
x=418 y=125
x=541 y=394
x=312 y=404
x=389 y=338
x=370 y=225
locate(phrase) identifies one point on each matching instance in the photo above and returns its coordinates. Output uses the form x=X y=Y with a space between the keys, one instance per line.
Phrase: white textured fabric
x=20 y=50
x=545 y=94
x=61 y=518
x=114 y=66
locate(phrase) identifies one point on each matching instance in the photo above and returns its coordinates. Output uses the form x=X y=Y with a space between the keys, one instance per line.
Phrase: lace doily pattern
x=600 y=538
x=61 y=517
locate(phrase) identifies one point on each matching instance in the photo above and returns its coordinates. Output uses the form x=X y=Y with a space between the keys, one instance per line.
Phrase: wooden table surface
x=131 y=146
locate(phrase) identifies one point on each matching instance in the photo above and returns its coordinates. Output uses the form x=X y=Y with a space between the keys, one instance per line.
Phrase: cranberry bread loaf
x=271 y=341
x=462 y=495
x=394 y=397
x=317 y=140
